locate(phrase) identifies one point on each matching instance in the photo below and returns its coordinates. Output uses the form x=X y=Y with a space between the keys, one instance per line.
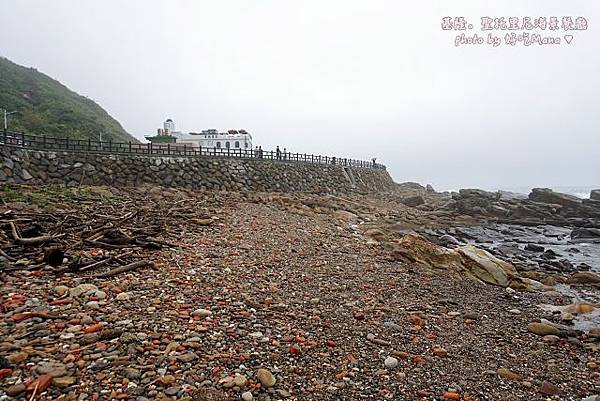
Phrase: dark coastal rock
x=534 y=248
x=595 y=194
x=546 y=195
x=413 y=201
x=475 y=193
x=584 y=233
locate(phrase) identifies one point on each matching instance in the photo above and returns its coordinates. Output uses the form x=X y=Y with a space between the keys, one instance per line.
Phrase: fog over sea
x=582 y=192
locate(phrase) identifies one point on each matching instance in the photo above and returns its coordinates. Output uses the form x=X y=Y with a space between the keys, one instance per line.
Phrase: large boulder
x=584 y=278
x=595 y=194
x=486 y=266
x=546 y=195
x=467 y=260
x=413 y=201
x=586 y=233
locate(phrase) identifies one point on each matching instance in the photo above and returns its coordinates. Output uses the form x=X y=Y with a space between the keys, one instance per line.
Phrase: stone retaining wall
x=19 y=165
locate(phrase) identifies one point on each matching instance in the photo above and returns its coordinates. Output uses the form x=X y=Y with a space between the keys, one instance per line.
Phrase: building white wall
x=213 y=140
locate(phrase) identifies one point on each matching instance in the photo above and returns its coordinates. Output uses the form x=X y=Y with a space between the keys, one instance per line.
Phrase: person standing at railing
x=260 y=152
x=374 y=160
x=284 y=154
x=278 y=153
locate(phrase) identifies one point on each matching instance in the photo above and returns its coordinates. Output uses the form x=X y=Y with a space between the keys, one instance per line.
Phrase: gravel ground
x=290 y=289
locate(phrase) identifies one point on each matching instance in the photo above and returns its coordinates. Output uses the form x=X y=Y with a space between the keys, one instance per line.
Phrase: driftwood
x=123 y=269
x=34 y=240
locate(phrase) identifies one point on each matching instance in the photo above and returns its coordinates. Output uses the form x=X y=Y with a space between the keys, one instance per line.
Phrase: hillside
x=47 y=107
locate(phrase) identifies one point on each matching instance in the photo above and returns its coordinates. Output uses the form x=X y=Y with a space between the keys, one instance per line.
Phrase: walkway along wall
x=22 y=165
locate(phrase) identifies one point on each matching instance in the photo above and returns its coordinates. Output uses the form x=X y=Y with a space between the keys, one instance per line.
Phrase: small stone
x=240 y=380
x=17 y=357
x=567 y=317
x=595 y=332
x=266 y=378
x=100 y=294
x=64 y=381
x=86 y=319
x=167 y=380
x=189 y=357
x=82 y=289
x=390 y=362
x=16 y=389
x=92 y=305
x=440 y=352
x=515 y=311
x=201 y=313
x=61 y=290
x=131 y=373
x=542 y=329
x=551 y=339
x=548 y=388
x=123 y=296
x=171 y=391
x=54 y=369
x=508 y=374
x=247 y=396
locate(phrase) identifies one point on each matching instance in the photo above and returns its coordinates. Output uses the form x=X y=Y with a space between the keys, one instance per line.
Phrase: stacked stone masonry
x=72 y=169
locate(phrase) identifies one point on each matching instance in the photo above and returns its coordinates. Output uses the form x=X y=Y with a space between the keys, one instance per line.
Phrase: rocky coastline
x=175 y=294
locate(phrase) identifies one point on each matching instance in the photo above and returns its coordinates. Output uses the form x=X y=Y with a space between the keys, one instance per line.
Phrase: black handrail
x=37 y=142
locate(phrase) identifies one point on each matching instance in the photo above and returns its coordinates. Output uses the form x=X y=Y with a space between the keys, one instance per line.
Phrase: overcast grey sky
x=353 y=78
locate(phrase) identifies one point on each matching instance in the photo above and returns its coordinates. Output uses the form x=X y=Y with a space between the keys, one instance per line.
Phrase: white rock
x=515 y=311
x=201 y=313
x=92 y=305
x=390 y=362
x=82 y=289
x=247 y=396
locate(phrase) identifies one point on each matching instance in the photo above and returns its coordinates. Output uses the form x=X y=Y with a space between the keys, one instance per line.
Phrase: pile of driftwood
x=92 y=238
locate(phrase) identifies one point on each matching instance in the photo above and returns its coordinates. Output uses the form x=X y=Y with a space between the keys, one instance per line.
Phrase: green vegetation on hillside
x=46 y=107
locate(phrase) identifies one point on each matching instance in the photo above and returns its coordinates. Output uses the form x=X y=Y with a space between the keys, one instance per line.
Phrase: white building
x=211 y=138
x=232 y=139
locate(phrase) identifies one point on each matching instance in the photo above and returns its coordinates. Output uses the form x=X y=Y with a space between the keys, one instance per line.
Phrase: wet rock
x=586 y=233
x=595 y=194
x=534 y=248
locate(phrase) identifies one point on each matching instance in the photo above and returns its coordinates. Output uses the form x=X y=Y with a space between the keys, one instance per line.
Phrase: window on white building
x=218 y=144
x=237 y=144
x=246 y=144
x=227 y=144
